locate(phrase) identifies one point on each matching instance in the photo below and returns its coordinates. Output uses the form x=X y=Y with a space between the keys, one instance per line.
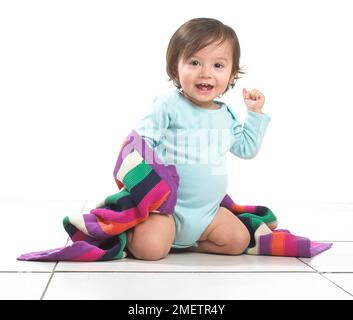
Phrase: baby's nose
x=205 y=72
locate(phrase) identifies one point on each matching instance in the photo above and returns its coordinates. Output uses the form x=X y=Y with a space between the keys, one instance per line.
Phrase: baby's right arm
x=154 y=123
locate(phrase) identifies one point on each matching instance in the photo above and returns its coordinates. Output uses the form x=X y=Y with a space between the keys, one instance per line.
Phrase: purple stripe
x=166 y=172
x=265 y=242
x=75 y=250
x=317 y=247
x=65 y=253
x=93 y=227
x=303 y=247
x=227 y=202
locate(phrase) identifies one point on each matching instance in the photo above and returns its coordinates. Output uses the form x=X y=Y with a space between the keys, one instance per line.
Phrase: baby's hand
x=254 y=100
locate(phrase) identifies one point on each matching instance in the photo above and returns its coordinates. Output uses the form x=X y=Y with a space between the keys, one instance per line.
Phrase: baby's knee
x=148 y=247
x=238 y=243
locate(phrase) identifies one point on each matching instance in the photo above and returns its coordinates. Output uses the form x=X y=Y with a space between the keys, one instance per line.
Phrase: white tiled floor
x=35 y=225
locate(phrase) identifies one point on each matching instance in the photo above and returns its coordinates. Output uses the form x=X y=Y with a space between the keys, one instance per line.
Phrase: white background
x=75 y=76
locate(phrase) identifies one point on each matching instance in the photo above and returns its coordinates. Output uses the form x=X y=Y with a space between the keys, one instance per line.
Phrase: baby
x=188 y=128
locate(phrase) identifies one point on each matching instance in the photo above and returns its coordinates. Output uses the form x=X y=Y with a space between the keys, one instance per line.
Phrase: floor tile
x=187 y=286
x=337 y=259
x=344 y=280
x=192 y=262
x=33 y=226
x=23 y=286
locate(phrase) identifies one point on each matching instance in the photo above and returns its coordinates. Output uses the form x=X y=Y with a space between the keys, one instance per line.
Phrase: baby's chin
x=201 y=98
x=204 y=95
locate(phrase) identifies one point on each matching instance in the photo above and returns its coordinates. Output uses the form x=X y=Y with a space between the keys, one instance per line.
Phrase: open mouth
x=204 y=87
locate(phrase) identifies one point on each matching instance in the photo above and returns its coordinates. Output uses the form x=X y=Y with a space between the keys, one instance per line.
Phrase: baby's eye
x=194 y=62
x=219 y=65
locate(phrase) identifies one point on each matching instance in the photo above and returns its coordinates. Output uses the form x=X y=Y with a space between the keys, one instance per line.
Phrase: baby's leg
x=226 y=234
x=153 y=238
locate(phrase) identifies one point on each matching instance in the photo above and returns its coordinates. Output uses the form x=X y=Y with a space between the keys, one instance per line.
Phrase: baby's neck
x=211 y=105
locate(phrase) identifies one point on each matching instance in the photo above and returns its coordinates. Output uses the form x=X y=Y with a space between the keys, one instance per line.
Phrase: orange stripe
x=119 y=183
x=237 y=208
x=155 y=205
x=114 y=228
x=277 y=246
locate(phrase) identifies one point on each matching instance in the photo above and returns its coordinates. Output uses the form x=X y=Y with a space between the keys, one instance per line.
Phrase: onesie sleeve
x=248 y=137
x=153 y=125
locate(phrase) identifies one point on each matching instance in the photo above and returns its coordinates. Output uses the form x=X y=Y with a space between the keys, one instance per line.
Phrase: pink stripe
x=290 y=245
x=250 y=209
x=156 y=193
x=92 y=255
x=116 y=216
x=78 y=236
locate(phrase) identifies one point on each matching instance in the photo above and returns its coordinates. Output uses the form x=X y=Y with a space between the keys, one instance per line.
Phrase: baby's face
x=206 y=74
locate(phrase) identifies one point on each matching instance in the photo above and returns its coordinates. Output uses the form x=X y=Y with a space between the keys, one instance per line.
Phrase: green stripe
x=66 y=221
x=122 y=245
x=268 y=218
x=136 y=175
x=254 y=220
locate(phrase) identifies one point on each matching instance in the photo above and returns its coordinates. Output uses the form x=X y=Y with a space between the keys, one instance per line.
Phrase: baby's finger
x=257 y=94
x=253 y=94
x=246 y=94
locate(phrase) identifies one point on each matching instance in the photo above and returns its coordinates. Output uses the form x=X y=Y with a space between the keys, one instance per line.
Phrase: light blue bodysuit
x=196 y=140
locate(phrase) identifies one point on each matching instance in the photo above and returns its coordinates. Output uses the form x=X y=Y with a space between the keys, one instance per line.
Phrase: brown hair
x=195 y=35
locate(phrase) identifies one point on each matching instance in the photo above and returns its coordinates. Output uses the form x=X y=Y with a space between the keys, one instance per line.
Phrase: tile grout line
x=175 y=271
x=190 y=271
x=322 y=274
x=57 y=262
x=47 y=285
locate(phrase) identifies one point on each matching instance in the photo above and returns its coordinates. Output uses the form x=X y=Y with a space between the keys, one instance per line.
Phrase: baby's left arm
x=248 y=137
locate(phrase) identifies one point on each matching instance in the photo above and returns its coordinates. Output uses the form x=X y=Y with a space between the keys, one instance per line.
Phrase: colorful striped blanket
x=146 y=186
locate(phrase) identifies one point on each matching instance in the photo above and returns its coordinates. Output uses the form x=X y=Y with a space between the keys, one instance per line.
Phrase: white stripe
x=78 y=221
x=130 y=161
x=262 y=230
